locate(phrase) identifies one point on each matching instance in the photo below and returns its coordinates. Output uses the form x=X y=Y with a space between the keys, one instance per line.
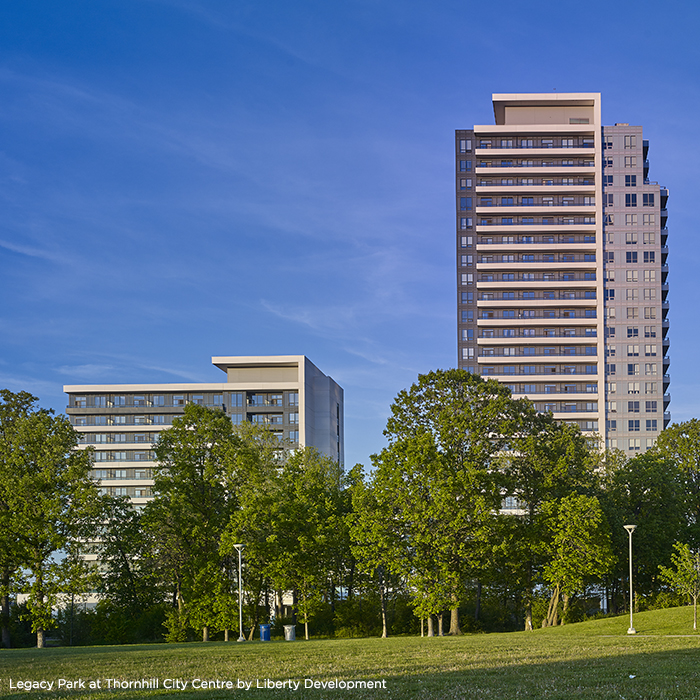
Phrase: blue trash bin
x=265 y=633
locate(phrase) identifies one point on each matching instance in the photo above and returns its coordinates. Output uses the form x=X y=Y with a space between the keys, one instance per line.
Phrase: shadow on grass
x=550 y=666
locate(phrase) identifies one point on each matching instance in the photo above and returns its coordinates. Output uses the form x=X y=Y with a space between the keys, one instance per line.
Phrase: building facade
x=287 y=394
x=562 y=265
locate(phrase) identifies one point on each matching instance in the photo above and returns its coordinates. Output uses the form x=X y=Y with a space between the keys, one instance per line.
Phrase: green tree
x=52 y=502
x=580 y=552
x=309 y=527
x=684 y=577
x=13 y=408
x=438 y=481
x=547 y=462
x=680 y=443
x=195 y=485
x=646 y=491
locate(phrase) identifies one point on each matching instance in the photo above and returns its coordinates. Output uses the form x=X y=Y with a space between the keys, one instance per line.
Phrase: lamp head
x=630 y=528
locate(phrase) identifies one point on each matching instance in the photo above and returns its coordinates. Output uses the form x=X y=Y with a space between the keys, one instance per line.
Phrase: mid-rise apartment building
x=287 y=394
x=562 y=265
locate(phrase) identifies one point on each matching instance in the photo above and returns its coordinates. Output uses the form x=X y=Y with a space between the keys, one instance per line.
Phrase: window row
x=537 y=163
x=633 y=387
x=566 y=407
x=633 y=426
x=235 y=399
x=629 y=141
x=130 y=491
x=537 y=276
x=632 y=312
x=539 y=141
x=538 y=350
x=633 y=350
x=536 y=257
x=544 y=238
x=631 y=294
x=537 y=332
x=539 y=294
x=632 y=406
x=126 y=456
x=630 y=219
x=532 y=220
x=633 y=444
x=633 y=331
x=103 y=474
x=563 y=201
x=634 y=369
x=529 y=181
x=536 y=313
x=505 y=370
x=109 y=438
x=556 y=388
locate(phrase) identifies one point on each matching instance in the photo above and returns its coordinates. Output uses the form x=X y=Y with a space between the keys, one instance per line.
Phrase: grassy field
x=589 y=660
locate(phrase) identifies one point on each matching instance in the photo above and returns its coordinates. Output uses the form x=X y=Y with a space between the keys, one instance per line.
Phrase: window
x=634 y=444
x=650 y=331
x=612 y=425
x=632 y=369
x=633 y=350
x=465 y=145
x=651 y=406
x=649 y=312
x=607 y=179
x=631 y=257
x=631 y=200
x=506 y=143
x=650 y=368
x=526 y=143
x=632 y=294
x=119 y=401
x=527 y=201
x=178 y=400
x=633 y=426
x=293 y=398
x=649 y=275
x=632 y=276
x=632 y=332
x=631 y=238
x=650 y=239
x=649 y=219
x=293 y=418
x=567 y=143
x=610 y=369
x=651 y=425
x=609 y=295
x=294 y=435
x=506 y=201
x=647 y=200
x=633 y=388
x=633 y=407
x=649 y=294
x=631 y=219
x=630 y=180
x=630 y=161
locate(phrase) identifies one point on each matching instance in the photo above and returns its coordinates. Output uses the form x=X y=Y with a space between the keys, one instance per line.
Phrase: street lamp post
x=630 y=529
x=241 y=638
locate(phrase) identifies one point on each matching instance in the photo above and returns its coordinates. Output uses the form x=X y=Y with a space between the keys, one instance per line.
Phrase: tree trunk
x=431 y=631
x=5 y=609
x=306 y=630
x=553 y=611
x=440 y=632
x=477 y=607
x=421 y=627
x=205 y=633
x=226 y=635
x=382 y=600
x=566 y=599
x=695 y=612
x=454 y=621
x=40 y=638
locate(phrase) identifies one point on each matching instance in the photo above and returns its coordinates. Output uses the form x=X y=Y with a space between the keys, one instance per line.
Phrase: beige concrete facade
x=541 y=261
x=288 y=394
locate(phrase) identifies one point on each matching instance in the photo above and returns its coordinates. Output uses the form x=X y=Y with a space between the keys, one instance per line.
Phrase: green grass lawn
x=589 y=660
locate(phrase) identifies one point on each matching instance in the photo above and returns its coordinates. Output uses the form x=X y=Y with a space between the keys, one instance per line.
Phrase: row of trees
x=424 y=530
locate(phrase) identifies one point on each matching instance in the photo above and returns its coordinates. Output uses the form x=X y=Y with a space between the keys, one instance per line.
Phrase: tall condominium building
x=561 y=265
x=288 y=394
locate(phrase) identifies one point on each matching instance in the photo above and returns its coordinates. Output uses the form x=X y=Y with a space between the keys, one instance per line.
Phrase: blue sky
x=188 y=178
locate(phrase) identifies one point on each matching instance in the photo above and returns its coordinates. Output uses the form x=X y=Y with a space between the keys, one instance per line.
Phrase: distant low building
x=286 y=393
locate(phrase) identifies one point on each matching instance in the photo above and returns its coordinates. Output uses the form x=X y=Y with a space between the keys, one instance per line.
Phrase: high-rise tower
x=561 y=265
